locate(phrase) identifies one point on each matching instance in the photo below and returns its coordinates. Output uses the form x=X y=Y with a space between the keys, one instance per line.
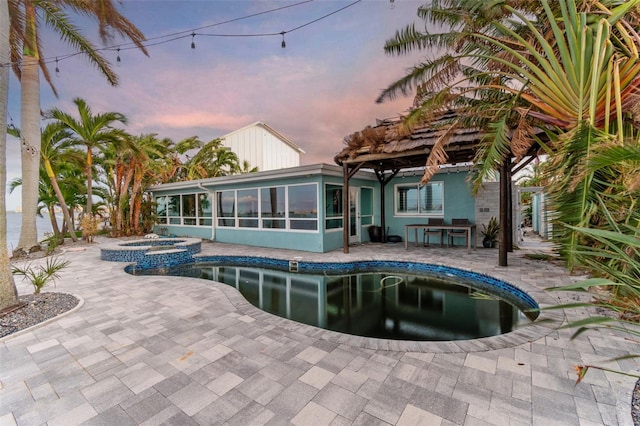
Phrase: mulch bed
x=34 y=309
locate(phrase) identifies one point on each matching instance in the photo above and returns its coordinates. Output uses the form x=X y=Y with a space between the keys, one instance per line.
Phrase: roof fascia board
x=307 y=170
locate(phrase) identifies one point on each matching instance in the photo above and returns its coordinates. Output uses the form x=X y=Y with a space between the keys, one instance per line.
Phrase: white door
x=354 y=215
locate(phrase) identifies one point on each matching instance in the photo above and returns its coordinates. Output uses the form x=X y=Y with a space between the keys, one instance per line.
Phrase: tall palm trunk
x=136 y=202
x=8 y=293
x=124 y=193
x=89 y=172
x=63 y=204
x=30 y=131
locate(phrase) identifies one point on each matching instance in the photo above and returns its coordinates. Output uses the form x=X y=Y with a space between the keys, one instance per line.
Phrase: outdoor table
x=470 y=229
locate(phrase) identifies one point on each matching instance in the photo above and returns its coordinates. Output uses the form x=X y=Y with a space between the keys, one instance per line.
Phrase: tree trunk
x=89 y=172
x=30 y=131
x=63 y=204
x=135 y=203
x=124 y=185
x=54 y=221
x=8 y=292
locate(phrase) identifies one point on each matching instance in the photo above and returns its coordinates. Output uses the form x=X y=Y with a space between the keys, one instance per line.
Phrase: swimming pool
x=390 y=300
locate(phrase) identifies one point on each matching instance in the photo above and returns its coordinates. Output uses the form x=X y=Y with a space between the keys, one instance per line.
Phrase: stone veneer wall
x=141 y=253
x=488 y=205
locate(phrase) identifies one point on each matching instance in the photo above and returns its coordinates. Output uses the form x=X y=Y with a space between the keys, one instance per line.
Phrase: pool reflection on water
x=382 y=305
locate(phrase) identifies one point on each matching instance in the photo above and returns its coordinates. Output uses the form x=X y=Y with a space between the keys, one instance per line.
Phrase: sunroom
x=298 y=208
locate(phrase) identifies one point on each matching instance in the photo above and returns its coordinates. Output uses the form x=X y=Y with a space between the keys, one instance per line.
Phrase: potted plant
x=490 y=233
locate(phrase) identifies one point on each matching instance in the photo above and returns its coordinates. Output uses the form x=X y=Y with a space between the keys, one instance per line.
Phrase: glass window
x=161 y=209
x=248 y=208
x=174 y=209
x=189 y=209
x=303 y=205
x=333 y=206
x=303 y=201
x=226 y=208
x=204 y=209
x=272 y=207
x=425 y=199
x=431 y=196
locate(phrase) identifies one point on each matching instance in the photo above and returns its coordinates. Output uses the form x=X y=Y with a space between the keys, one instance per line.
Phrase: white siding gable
x=263 y=147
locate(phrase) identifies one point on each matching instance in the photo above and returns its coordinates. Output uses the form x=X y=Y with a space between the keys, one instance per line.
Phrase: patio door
x=354 y=215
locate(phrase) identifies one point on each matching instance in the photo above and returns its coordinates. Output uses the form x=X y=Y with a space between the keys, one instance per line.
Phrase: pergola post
x=509 y=222
x=504 y=220
x=345 y=208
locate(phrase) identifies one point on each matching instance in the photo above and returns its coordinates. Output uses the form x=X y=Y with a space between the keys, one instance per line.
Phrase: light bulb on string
x=392 y=4
x=283 y=44
x=118 y=57
x=57 y=69
x=193 y=43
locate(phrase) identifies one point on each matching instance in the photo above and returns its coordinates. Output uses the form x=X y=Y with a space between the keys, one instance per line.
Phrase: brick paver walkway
x=166 y=350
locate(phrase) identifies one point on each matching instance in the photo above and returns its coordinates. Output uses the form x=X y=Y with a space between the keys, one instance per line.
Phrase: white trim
x=321 y=169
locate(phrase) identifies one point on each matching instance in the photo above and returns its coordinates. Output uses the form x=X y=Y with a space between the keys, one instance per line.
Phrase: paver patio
x=169 y=350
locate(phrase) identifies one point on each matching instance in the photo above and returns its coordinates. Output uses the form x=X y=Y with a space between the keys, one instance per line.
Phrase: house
x=263 y=147
x=302 y=208
x=376 y=181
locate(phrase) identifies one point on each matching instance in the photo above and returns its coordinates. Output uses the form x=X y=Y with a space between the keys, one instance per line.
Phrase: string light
x=167 y=38
x=392 y=4
x=57 y=69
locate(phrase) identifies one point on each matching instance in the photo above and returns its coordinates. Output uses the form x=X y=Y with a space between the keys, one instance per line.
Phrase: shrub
x=614 y=260
x=41 y=275
x=89 y=225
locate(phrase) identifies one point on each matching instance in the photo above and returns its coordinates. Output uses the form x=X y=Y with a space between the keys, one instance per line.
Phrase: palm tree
x=212 y=160
x=150 y=149
x=8 y=292
x=94 y=132
x=574 y=73
x=129 y=168
x=245 y=167
x=55 y=150
x=26 y=55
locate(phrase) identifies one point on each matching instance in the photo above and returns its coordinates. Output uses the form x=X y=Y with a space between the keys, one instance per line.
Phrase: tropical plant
x=490 y=233
x=89 y=225
x=245 y=167
x=92 y=132
x=129 y=168
x=614 y=287
x=569 y=68
x=213 y=159
x=26 y=59
x=8 y=291
x=55 y=152
x=41 y=275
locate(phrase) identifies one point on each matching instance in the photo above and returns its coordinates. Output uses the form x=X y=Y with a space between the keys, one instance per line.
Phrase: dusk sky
x=316 y=91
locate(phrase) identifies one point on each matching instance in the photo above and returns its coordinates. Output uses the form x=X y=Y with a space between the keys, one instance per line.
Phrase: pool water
x=378 y=304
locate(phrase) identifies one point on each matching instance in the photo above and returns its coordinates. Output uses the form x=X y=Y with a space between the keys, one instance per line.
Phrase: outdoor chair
x=457 y=233
x=435 y=232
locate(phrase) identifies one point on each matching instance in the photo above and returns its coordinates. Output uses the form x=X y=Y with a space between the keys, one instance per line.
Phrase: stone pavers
x=170 y=350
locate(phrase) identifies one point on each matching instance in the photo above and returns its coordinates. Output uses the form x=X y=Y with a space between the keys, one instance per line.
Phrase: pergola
x=386 y=150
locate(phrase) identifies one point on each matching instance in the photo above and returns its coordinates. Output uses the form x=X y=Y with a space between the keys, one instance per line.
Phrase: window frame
x=175 y=216
x=419 y=211
x=288 y=219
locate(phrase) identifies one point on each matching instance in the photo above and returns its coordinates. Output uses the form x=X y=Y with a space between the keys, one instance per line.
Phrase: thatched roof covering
x=386 y=146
